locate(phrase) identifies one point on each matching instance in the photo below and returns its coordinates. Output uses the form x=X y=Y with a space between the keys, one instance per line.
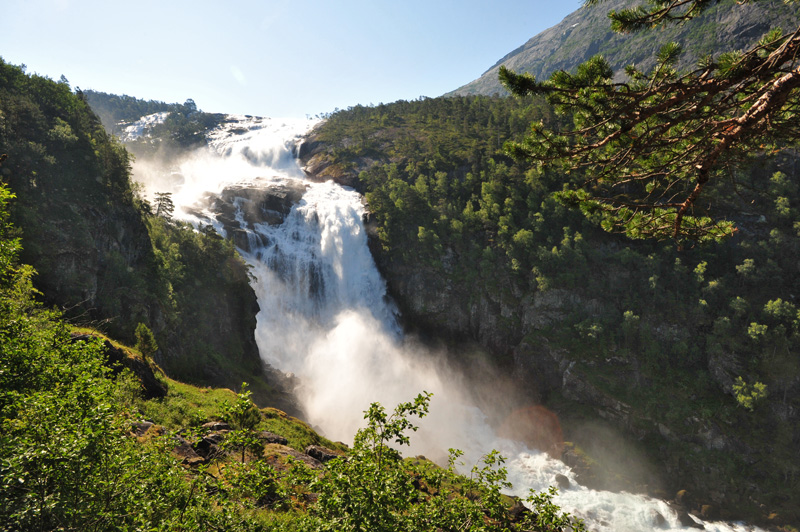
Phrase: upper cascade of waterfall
x=242 y=150
x=262 y=142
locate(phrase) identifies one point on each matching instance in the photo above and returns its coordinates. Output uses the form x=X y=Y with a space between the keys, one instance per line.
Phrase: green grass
x=185 y=405
x=299 y=434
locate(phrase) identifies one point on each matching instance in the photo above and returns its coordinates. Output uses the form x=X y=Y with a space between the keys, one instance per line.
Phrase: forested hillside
x=102 y=254
x=182 y=129
x=691 y=354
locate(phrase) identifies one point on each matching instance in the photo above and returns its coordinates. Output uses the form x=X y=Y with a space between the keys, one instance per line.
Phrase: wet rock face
x=239 y=207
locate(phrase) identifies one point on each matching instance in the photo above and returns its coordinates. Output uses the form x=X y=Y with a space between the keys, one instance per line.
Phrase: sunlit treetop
x=639 y=152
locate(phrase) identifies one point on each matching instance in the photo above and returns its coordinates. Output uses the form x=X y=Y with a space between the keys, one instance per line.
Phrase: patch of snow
x=138 y=129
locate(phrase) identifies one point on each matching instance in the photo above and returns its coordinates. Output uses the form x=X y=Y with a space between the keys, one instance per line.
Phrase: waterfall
x=325 y=317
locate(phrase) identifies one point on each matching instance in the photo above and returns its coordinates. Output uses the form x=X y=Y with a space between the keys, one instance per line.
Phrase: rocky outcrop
x=209 y=445
x=270 y=437
x=239 y=208
x=320 y=164
x=184 y=450
x=276 y=455
x=118 y=359
x=323 y=454
x=260 y=202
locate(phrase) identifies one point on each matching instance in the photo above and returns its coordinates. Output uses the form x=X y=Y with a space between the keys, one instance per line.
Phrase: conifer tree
x=145 y=341
x=164 y=205
x=641 y=151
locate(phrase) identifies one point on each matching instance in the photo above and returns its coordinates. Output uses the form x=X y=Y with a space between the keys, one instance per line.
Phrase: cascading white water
x=325 y=318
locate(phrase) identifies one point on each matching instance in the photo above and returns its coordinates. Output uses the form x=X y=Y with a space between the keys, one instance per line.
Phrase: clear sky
x=270 y=57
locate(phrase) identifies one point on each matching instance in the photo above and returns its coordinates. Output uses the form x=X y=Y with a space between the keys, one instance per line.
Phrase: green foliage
x=145 y=341
x=370 y=489
x=66 y=459
x=182 y=128
x=748 y=396
x=648 y=146
x=99 y=255
x=164 y=205
x=374 y=489
x=243 y=415
x=202 y=280
x=72 y=185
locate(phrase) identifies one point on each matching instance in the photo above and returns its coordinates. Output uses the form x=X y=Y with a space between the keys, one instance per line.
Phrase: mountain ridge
x=564 y=46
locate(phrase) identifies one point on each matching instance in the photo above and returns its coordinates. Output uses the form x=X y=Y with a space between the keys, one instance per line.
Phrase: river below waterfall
x=325 y=318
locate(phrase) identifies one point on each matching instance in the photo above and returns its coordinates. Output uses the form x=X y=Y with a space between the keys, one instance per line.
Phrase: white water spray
x=325 y=318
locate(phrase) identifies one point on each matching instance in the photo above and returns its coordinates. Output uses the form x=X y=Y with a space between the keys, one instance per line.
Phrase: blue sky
x=270 y=57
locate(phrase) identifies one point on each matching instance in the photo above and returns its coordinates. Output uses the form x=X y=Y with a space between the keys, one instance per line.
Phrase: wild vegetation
x=647 y=147
x=76 y=455
x=183 y=128
x=109 y=259
x=710 y=330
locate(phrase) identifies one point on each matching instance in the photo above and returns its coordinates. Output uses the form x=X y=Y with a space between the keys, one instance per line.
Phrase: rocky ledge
x=240 y=207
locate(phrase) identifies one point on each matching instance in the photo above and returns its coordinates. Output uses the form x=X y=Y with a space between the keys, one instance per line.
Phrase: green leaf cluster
x=373 y=488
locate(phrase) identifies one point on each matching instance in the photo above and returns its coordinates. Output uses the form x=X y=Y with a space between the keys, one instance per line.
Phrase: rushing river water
x=325 y=317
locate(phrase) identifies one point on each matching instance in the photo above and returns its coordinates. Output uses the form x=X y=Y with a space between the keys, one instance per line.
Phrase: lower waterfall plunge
x=326 y=319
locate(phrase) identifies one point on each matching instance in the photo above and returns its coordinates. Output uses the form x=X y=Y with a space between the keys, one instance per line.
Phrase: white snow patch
x=139 y=128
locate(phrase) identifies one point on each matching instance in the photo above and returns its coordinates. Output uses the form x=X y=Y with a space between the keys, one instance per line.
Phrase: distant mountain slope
x=586 y=32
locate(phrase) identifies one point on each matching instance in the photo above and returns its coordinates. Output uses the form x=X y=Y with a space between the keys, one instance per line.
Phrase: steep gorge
x=628 y=342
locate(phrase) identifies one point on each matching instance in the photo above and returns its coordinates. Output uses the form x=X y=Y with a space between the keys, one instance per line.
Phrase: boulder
x=685 y=519
x=323 y=454
x=270 y=437
x=709 y=512
x=658 y=520
x=118 y=359
x=216 y=425
x=185 y=452
x=208 y=447
x=273 y=452
x=265 y=201
x=518 y=511
x=562 y=481
x=140 y=428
